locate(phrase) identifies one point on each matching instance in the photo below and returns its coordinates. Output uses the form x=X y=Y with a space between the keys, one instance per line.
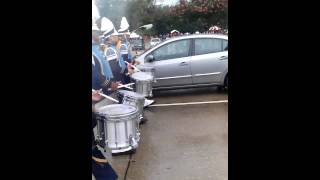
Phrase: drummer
x=101 y=70
x=101 y=169
x=126 y=53
x=119 y=68
x=125 y=48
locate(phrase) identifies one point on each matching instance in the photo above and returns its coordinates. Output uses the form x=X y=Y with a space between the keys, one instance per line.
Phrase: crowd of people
x=177 y=33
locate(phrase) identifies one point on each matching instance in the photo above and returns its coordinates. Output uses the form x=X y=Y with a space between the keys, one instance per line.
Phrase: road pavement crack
x=128 y=166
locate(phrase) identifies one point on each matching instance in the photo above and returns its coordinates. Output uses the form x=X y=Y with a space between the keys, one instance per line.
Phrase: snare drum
x=148 y=69
x=134 y=99
x=143 y=83
x=117 y=127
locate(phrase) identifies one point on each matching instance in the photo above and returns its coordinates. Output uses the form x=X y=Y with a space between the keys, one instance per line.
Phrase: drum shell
x=130 y=99
x=143 y=86
x=117 y=130
x=149 y=70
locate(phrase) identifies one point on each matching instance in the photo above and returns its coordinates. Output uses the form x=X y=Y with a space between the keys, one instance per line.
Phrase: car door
x=172 y=64
x=209 y=61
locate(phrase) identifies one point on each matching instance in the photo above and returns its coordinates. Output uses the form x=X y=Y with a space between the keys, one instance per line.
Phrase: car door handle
x=183 y=64
x=223 y=57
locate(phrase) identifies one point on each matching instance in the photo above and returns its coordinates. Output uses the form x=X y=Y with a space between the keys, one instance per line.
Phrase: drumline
x=118 y=125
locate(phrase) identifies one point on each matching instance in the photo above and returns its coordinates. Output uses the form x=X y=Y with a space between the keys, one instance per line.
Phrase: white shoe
x=148 y=102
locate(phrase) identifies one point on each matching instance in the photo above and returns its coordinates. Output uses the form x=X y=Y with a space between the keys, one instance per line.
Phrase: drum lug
x=133 y=142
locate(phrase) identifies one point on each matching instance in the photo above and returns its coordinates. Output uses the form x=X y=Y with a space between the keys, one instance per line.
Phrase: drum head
x=142 y=76
x=118 y=110
x=131 y=94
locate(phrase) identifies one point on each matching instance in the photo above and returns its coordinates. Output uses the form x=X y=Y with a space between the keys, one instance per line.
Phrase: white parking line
x=190 y=103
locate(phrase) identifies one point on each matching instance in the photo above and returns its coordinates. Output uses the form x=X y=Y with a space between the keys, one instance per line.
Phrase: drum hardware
x=100 y=132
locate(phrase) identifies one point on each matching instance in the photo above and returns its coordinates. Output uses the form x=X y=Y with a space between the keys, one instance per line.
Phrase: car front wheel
x=226 y=82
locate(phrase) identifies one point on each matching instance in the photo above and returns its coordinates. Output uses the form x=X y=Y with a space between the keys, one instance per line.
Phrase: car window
x=225 y=45
x=207 y=45
x=176 y=49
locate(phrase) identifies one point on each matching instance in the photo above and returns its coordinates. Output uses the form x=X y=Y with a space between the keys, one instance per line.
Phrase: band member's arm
x=130 y=69
x=134 y=62
x=108 y=86
x=99 y=160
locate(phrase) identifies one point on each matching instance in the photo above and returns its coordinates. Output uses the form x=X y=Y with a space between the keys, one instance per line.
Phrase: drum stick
x=126 y=85
x=108 y=97
x=134 y=67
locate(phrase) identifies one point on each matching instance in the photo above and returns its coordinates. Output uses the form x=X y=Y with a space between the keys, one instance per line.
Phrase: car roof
x=193 y=36
x=220 y=36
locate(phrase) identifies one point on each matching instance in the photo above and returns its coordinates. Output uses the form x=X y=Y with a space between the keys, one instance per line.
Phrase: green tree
x=187 y=16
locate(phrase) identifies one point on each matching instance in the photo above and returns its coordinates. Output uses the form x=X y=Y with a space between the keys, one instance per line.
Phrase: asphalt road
x=180 y=142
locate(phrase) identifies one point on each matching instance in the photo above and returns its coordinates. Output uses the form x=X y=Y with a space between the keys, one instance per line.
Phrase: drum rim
x=116 y=115
x=139 y=96
x=148 y=79
x=129 y=117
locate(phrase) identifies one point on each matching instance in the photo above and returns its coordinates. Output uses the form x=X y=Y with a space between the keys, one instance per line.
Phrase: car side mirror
x=150 y=58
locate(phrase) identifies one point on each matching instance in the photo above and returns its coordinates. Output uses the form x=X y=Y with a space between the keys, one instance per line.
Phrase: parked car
x=189 y=61
x=154 y=41
x=137 y=44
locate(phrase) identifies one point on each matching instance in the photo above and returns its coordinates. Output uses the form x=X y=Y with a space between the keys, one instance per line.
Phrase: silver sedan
x=189 y=61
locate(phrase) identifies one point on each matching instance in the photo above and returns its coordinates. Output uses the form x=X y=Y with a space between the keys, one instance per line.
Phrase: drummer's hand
x=137 y=62
x=114 y=85
x=96 y=96
x=129 y=65
x=130 y=70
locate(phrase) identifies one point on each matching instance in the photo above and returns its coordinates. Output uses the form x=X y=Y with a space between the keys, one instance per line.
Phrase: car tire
x=220 y=88
x=226 y=82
